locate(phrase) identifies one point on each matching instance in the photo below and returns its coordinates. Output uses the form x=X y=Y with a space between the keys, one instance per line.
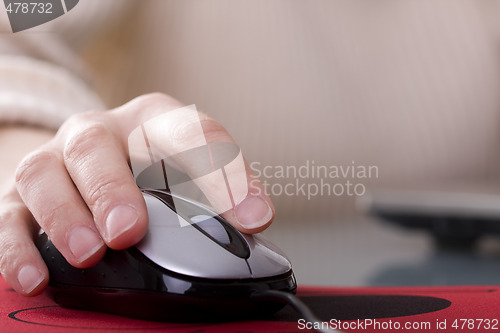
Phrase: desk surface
x=357 y=253
x=368 y=307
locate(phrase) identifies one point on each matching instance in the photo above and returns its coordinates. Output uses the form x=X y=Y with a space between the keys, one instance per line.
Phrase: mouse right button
x=266 y=259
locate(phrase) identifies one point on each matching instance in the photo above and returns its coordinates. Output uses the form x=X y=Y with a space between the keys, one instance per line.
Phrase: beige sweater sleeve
x=42 y=79
x=40 y=93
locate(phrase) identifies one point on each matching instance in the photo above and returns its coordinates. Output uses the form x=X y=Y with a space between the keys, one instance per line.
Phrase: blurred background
x=410 y=88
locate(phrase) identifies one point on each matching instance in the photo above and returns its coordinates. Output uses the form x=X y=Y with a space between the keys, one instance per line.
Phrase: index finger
x=187 y=140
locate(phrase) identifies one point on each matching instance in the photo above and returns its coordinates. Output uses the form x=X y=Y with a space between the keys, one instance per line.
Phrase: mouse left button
x=177 y=244
x=204 y=220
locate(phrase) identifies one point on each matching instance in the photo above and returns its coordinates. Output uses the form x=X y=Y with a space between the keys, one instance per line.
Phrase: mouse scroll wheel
x=222 y=233
x=216 y=230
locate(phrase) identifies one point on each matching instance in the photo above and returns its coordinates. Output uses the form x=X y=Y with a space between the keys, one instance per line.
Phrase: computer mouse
x=191 y=266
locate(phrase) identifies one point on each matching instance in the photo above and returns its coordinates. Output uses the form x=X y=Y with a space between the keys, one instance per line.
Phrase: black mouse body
x=191 y=266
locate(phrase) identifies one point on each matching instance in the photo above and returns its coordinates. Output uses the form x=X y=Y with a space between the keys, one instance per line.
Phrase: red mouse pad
x=408 y=309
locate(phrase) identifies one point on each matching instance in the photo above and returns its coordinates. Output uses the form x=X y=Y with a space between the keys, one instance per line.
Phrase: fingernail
x=253 y=212
x=120 y=219
x=83 y=243
x=29 y=278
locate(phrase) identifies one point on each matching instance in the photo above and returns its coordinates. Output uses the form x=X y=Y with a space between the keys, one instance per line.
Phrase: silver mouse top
x=199 y=245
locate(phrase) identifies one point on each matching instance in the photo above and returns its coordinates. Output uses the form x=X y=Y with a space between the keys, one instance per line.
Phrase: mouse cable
x=295 y=303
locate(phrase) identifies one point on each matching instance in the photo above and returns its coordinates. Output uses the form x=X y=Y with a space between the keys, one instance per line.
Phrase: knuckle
x=87 y=116
x=188 y=132
x=150 y=103
x=100 y=190
x=78 y=119
x=9 y=250
x=154 y=98
x=213 y=131
x=85 y=140
x=10 y=246
x=33 y=165
x=91 y=115
x=50 y=219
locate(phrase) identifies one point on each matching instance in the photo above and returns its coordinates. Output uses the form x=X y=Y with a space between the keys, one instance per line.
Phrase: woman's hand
x=80 y=189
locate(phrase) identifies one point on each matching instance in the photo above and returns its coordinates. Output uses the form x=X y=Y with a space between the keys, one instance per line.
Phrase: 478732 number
x=29 y=8
x=475 y=324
